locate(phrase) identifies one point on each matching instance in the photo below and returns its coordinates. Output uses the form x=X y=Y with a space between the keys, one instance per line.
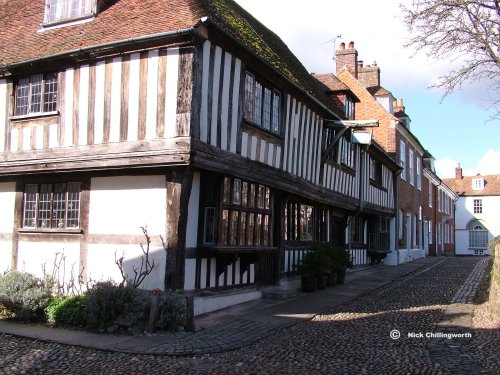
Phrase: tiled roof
x=378 y=90
x=463 y=187
x=330 y=82
x=22 y=37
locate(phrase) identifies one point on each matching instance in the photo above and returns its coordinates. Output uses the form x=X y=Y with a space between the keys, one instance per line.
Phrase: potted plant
x=341 y=262
x=308 y=275
x=313 y=269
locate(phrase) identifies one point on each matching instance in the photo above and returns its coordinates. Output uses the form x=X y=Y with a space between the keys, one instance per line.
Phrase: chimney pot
x=342 y=45
x=351 y=45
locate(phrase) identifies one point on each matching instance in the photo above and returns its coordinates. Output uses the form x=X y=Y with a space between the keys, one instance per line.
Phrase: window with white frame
x=64 y=10
x=430 y=193
x=402 y=159
x=419 y=174
x=430 y=232
x=478 y=184
x=49 y=206
x=262 y=104
x=411 y=170
x=478 y=206
x=478 y=236
x=36 y=94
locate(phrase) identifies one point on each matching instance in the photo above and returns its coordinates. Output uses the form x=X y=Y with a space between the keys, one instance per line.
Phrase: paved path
x=346 y=329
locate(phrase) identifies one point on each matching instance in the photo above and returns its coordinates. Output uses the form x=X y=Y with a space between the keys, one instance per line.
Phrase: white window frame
x=430 y=193
x=478 y=236
x=419 y=174
x=36 y=94
x=478 y=184
x=402 y=158
x=477 y=206
x=411 y=167
x=58 y=11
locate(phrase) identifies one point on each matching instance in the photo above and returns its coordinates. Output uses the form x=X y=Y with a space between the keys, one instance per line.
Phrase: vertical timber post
x=179 y=181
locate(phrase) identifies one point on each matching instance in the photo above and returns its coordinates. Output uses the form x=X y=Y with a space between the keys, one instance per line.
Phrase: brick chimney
x=458 y=172
x=369 y=75
x=348 y=58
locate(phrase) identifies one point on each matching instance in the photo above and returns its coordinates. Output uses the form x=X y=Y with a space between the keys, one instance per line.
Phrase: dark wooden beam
x=179 y=182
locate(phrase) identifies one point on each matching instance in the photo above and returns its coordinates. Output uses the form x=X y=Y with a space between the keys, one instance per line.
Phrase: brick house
x=477 y=219
x=395 y=136
x=188 y=117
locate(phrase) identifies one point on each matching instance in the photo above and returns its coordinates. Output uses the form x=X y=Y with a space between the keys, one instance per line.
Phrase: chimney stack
x=369 y=75
x=348 y=58
x=458 y=172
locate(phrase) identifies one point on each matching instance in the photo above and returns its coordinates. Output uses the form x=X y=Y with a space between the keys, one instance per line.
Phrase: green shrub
x=107 y=301
x=67 y=310
x=24 y=295
x=172 y=310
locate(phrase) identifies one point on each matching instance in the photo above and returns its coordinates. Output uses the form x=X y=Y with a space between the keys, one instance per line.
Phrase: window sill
x=347 y=169
x=32 y=116
x=51 y=230
x=67 y=22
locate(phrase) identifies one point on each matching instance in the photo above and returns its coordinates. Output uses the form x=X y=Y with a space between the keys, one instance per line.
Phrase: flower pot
x=309 y=283
x=322 y=280
x=331 y=279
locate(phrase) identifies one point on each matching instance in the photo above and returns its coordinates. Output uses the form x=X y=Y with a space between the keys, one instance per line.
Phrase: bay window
x=262 y=104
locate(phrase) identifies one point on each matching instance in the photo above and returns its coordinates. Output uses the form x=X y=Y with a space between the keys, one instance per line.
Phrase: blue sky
x=454 y=130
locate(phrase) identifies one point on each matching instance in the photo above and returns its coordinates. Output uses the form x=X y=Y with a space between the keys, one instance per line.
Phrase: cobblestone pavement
x=384 y=332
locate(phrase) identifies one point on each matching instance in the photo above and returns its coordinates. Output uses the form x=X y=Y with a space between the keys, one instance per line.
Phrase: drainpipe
x=396 y=211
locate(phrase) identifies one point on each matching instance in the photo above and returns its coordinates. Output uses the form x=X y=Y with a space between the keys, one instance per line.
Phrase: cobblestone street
x=385 y=332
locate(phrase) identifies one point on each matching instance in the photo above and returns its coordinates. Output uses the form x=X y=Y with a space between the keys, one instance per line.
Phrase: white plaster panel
x=133 y=97
x=7 y=201
x=68 y=102
x=101 y=263
x=171 y=92
x=26 y=139
x=152 y=94
x=83 y=105
x=100 y=74
x=121 y=205
x=5 y=256
x=115 y=115
x=34 y=256
x=204 y=92
x=39 y=137
x=190 y=274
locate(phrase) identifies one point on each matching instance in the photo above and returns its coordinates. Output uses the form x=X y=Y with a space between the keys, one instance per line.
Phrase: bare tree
x=467 y=31
x=146 y=268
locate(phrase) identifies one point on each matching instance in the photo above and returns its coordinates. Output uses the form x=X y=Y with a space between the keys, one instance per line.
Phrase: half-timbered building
x=190 y=119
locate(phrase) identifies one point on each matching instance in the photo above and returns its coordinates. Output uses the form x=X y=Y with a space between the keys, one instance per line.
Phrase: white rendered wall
x=121 y=206
x=60 y=258
x=465 y=214
x=192 y=232
x=7 y=205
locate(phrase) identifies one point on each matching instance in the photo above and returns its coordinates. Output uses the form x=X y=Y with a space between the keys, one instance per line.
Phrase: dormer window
x=57 y=11
x=478 y=184
x=348 y=108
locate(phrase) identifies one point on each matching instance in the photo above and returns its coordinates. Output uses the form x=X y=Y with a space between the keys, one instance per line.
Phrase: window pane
x=50 y=97
x=250 y=230
x=243 y=227
x=261 y=197
x=249 y=96
x=252 y=195
x=266 y=230
x=224 y=227
x=268 y=198
x=44 y=206
x=36 y=93
x=209 y=226
x=244 y=194
x=237 y=191
x=22 y=96
x=73 y=210
x=258 y=230
x=276 y=111
x=29 y=219
x=306 y=224
x=227 y=190
x=267 y=108
x=258 y=104
x=234 y=227
x=59 y=205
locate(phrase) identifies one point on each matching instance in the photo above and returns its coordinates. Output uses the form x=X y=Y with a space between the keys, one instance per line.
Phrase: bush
x=106 y=301
x=172 y=310
x=67 y=310
x=24 y=295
